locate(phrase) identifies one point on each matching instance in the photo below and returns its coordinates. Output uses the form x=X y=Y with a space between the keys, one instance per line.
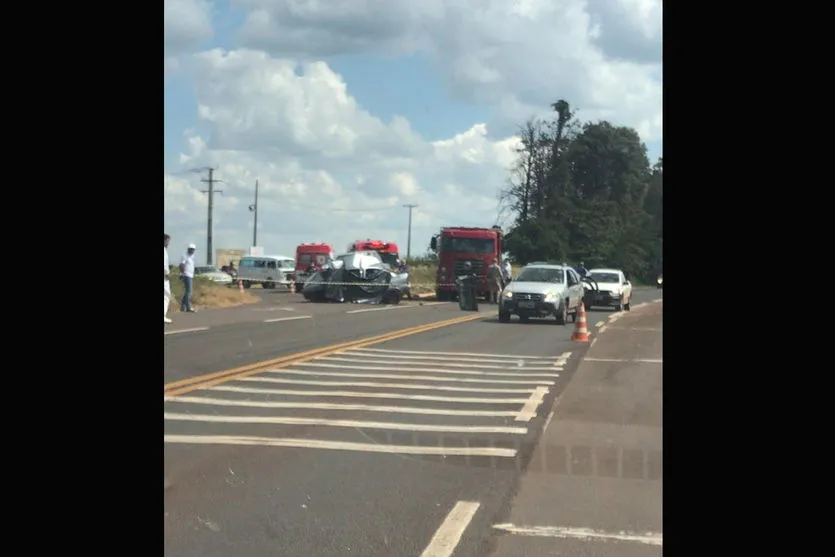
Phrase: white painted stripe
x=470 y=361
x=361 y=424
x=360 y=394
x=637 y=361
x=528 y=411
x=338 y=445
x=446 y=538
x=294 y=318
x=328 y=406
x=429 y=370
x=413 y=377
x=417 y=387
x=476 y=354
x=649 y=538
x=656 y=329
x=387 y=360
x=384 y=308
x=599 y=323
x=194 y=330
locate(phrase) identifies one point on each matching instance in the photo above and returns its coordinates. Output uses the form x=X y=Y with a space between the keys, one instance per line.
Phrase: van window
x=247 y=263
x=271 y=264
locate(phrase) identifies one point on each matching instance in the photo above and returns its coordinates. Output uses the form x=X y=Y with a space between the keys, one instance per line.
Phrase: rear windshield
x=605 y=277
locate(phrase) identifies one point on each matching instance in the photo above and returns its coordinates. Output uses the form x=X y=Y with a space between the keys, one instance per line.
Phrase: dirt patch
x=207 y=295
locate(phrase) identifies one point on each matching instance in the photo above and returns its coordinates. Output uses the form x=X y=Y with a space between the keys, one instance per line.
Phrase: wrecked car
x=359 y=277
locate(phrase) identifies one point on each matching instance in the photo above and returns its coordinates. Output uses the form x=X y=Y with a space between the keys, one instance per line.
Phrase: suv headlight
x=507 y=294
x=551 y=297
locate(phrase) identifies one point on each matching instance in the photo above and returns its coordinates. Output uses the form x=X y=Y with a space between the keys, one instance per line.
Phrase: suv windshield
x=539 y=274
x=605 y=277
x=468 y=245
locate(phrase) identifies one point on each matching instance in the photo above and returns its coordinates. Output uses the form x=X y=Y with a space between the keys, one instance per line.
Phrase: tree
x=585 y=192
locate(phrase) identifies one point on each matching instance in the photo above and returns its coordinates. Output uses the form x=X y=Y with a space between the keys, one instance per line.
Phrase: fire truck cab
x=388 y=250
x=311 y=257
x=456 y=246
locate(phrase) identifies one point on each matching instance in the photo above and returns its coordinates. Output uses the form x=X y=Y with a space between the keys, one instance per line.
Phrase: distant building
x=225 y=256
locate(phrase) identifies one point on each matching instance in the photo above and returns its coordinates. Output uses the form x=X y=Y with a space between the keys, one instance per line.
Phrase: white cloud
x=327 y=169
x=603 y=56
x=186 y=26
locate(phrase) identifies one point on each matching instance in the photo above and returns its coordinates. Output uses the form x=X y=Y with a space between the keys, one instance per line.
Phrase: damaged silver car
x=358 y=277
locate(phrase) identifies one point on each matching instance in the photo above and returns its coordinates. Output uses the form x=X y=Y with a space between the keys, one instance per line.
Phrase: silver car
x=542 y=290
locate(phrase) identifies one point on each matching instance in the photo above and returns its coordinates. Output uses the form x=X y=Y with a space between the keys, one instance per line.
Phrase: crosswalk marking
x=413 y=386
x=485 y=399
x=329 y=406
x=361 y=424
x=432 y=370
x=474 y=354
x=413 y=377
x=356 y=394
x=355 y=361
x=339 y=445
x=486 y=360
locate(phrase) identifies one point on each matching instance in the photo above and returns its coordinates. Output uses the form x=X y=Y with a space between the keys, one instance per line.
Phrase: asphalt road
x=303 y=460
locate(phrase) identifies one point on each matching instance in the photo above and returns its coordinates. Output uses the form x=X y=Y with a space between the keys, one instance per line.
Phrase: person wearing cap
x=166 y=291
x=187 y=271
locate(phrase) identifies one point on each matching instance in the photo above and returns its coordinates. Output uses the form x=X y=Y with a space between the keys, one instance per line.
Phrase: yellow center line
x=190 y=384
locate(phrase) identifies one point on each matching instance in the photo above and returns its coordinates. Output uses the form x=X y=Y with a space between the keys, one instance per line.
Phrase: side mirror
x=433 y=243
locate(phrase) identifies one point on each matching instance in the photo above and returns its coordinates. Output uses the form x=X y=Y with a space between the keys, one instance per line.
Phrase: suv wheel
x=562 y=313
x=504 y=316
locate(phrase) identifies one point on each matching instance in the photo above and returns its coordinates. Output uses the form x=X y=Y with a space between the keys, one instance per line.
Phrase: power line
x=409 y=206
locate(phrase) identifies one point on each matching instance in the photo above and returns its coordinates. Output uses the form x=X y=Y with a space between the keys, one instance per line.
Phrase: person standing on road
x=187 y=271
x=166 y=292
x=507 y=271
x=581 y=270
x=494 y=281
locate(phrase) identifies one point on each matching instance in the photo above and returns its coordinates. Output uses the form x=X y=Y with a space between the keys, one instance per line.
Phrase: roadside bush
x=206 y=294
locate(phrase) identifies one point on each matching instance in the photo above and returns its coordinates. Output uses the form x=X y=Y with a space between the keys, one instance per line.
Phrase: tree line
x=585 y=192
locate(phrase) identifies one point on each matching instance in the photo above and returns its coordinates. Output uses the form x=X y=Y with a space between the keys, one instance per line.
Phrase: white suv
x=613 y=289
x=542 y=290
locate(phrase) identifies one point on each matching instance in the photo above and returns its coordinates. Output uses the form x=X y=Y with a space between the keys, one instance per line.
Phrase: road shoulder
x=593 y=485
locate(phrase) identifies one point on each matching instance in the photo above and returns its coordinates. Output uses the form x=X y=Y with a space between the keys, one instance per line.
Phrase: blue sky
x=394 y=58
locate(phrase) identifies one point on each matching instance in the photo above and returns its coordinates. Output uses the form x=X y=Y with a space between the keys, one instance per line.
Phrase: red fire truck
x=457 y=245
x=388 y=250
x=316 y=254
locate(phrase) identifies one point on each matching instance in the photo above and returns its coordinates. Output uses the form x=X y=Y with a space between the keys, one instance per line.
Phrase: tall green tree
x=585 y=192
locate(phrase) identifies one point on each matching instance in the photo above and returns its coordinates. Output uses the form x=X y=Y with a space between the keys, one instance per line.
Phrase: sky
x=344 y=111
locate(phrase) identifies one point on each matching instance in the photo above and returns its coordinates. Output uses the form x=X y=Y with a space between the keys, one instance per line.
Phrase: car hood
x=534 y=287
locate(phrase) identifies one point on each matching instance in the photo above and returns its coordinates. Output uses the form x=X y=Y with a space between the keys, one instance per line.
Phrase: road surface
x=403 y=447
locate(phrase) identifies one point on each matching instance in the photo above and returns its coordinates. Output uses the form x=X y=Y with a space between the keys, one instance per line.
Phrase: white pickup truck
x=613 y=289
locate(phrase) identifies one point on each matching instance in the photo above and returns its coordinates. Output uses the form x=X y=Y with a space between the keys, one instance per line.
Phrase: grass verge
x=422 y=277
x=207 y=295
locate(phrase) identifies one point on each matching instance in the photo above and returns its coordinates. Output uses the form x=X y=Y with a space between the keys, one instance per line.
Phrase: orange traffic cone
x=241 y=286
x=581 y=333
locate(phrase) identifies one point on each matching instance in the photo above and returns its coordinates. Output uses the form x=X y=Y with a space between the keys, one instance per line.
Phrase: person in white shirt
x=166 y=293
x=187 y=270
x=507 y=271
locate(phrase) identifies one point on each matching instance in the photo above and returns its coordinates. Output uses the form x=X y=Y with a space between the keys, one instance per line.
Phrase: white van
x=266 y=270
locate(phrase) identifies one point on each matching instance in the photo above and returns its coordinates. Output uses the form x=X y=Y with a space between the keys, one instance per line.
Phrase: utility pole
x=211 y=191
x=409 y=236
x=254 y=209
